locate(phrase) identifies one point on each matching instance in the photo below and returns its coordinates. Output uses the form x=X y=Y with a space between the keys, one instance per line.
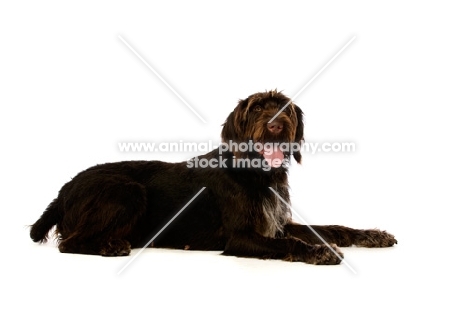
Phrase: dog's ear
x=229 y=129
x=234 y=126
x=299 y=138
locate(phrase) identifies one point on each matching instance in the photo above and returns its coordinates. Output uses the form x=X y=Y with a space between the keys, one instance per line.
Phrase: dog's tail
x=50 y=217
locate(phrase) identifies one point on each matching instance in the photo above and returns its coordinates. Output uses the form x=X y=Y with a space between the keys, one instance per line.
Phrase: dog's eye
x=257 y=108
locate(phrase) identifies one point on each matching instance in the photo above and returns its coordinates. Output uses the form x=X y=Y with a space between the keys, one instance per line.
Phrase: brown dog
x=243 y=210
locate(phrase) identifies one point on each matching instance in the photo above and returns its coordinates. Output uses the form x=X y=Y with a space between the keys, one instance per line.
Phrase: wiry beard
x=259 y=132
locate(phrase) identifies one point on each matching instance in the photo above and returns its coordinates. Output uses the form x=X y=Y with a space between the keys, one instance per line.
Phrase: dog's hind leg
x=105 y=222
x=100 y=246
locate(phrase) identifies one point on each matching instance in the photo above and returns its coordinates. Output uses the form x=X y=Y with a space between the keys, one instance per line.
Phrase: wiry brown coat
x=110 y=208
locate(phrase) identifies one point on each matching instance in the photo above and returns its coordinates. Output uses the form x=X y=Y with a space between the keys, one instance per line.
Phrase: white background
x=70 y=90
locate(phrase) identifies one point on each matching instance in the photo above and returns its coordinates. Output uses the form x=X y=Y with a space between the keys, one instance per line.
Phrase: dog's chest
x=275 y=215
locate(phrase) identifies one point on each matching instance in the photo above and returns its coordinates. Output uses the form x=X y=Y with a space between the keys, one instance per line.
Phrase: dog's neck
x=254 y=164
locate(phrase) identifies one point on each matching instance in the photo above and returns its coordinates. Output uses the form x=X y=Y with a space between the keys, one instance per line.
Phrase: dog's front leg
x=340 y=235
x=290 y=249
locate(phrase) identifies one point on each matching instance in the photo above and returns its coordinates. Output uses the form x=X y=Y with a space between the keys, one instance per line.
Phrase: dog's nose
x=275 y=127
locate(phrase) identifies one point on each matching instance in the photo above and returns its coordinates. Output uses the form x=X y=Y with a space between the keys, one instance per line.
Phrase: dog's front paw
x=374 y=238
x=323 y=254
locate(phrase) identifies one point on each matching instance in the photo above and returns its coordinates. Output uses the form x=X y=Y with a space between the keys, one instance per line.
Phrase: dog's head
x=256 y=119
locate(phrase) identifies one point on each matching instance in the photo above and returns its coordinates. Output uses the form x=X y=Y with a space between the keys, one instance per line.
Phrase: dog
x=242 y=207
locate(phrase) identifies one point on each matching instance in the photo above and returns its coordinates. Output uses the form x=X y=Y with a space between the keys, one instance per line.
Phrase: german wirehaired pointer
x=243 y=211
